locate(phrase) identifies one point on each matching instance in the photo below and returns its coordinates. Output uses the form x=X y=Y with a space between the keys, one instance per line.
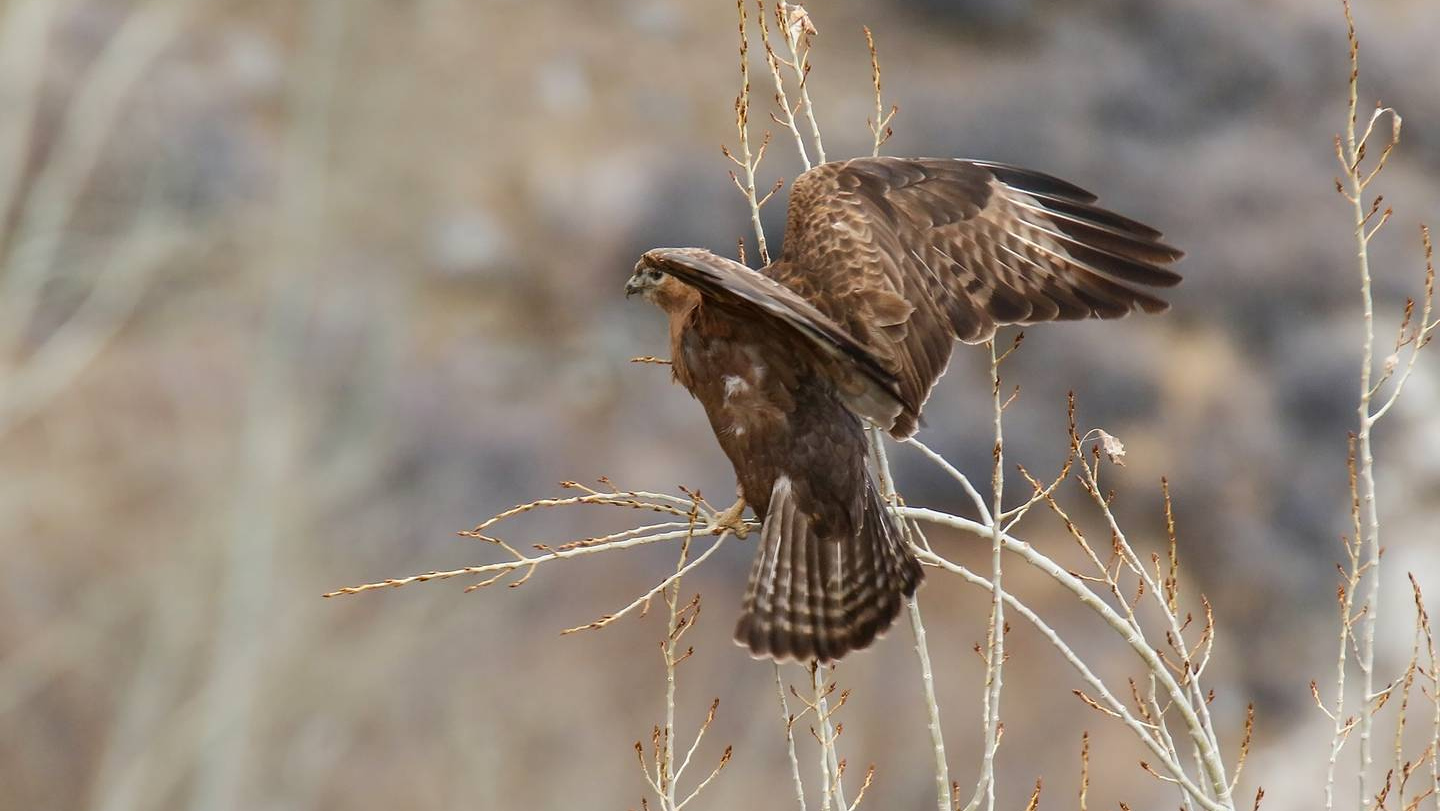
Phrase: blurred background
x=292 y=291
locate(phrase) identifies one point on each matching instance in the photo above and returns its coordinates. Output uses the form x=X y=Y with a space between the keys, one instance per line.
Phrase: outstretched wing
x=906 y=255
x=870 y=388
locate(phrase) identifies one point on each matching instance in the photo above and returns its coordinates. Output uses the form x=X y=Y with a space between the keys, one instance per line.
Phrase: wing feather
x=966 y=246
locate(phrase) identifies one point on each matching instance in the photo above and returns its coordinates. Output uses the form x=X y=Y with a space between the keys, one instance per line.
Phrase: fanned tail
x=814 y=595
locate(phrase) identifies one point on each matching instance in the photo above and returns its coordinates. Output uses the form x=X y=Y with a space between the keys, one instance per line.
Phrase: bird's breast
x=736 y=382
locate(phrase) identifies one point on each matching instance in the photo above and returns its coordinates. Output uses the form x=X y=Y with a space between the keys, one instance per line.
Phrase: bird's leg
x=731 y=519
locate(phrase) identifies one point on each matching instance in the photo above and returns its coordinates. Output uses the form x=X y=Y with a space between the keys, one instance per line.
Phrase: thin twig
x=747 y=162
x=995 y=630
x=917 y=626
x=1178 y=694
x=782 y=98
x=880 y=124
x=1110 y=701
x=797 y=29
x=790 y=738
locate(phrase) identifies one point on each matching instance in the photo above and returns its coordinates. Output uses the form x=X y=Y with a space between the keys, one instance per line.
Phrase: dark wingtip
x=1029 y=180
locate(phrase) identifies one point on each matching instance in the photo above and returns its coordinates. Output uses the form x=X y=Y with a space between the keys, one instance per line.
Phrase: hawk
x=886 y=262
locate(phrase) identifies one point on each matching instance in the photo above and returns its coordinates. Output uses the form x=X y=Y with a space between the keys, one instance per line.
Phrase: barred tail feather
x=817 y=596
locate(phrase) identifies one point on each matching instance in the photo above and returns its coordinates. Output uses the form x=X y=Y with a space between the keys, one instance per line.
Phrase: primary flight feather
x=886 y=262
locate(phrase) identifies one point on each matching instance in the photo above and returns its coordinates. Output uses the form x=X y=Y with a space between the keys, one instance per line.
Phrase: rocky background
x=292 y=291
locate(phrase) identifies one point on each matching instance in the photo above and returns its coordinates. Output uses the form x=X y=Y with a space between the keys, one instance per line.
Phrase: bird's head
x=658 y=287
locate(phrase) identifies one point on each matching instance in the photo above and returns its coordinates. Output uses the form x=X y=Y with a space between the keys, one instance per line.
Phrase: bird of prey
x=886 y=262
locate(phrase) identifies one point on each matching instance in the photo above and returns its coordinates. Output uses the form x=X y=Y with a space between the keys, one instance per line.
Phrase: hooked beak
x=631 y=287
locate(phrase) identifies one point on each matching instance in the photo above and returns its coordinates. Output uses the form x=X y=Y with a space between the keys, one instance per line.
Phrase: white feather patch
x=734 y=384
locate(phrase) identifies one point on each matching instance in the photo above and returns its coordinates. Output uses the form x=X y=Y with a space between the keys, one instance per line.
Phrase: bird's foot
x=730 y=519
